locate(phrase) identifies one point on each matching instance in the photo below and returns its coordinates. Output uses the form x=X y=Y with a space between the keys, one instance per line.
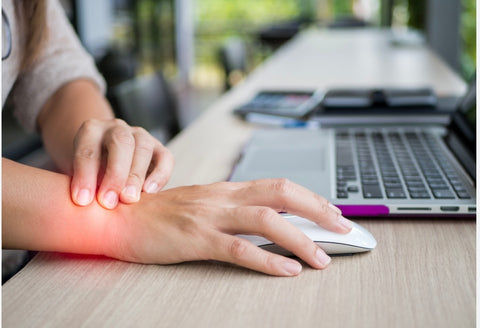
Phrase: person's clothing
x=62 y=59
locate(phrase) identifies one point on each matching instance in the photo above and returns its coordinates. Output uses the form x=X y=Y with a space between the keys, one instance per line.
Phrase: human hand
x=200 y=223
x=120 y=159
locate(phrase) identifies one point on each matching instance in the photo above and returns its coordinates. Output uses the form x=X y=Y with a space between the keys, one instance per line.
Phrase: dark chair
x=117 y=66
x=347 y=22
x=147 y=101
x=233 y=59
x=276 y=34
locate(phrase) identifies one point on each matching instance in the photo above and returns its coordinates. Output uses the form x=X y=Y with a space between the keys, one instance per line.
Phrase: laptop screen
x=462 y=130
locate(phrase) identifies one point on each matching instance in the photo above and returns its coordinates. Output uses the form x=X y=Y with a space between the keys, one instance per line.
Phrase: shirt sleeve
x=62 y=59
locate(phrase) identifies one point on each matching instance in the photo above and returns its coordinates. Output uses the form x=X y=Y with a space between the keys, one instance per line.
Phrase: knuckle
x=284 y=191
x=120 y=122
x=135 y=178
x=122 y=136
x=145 y=146
x=87 y=128
x=269 y=263
x=323 y=207
x=238 y=248
x=266 y=217
x=282 y=186
x=90 y=124
x=140 y=131
x=86 y=153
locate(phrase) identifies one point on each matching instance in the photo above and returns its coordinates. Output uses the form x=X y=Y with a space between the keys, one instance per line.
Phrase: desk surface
x=422 y=273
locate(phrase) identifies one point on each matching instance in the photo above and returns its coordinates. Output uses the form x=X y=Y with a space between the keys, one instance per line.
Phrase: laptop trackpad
x=286 y=160
x=301 y=156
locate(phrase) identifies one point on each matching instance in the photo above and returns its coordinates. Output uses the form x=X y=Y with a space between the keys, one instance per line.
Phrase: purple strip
x=363 y=210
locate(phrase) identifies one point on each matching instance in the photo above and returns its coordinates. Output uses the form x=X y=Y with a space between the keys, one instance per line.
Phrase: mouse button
x=360 y=236
x=340 y=249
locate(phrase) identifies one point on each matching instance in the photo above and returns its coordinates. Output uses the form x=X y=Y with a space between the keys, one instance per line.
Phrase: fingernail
x=333 y=207
x=291 y=267
x=322 y=258
x=131 y=192
x=110 y=199
x=152 y=188
x=346 y=223
x=84 y=197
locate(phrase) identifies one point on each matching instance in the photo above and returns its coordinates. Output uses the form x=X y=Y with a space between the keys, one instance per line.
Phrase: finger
x=142 y=157
x=266 y=222
x=161 y=169
x=86 y=162
x=119 y=144
x=286 y=196
x=243 y=253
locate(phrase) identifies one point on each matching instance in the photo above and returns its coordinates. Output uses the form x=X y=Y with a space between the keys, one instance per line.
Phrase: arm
x=61 y=95
x=64 y=113
x=172 y=226
x=38 y=214
x=80 y=133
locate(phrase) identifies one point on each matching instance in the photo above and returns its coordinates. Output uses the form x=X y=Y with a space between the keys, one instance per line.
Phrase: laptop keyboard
x=395 y=165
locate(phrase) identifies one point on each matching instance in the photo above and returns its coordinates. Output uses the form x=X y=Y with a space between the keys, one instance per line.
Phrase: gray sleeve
x=61 y=60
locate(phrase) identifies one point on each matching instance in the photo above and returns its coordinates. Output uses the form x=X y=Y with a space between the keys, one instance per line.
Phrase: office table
x=422 y=273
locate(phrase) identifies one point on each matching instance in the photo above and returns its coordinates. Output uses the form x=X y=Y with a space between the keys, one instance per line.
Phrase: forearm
x=64 y=113
x=176 y=225
x=38 y=214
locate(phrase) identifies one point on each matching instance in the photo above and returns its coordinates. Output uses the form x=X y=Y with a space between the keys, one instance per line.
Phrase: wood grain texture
x=422 y=273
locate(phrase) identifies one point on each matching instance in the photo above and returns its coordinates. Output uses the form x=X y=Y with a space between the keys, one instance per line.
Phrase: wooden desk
x=422 y=273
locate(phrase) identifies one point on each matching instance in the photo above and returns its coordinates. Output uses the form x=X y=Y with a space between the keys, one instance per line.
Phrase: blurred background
x=170 y=59
x=202 y=48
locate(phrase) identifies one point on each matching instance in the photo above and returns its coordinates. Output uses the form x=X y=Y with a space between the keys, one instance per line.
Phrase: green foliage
x=469 y=37
x=247 y=11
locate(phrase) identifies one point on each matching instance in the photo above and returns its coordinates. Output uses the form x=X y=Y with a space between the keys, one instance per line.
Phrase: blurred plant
x=469 y=38
x=246 y=11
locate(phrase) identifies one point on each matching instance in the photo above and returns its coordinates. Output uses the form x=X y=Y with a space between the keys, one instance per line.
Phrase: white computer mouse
x=356 y=241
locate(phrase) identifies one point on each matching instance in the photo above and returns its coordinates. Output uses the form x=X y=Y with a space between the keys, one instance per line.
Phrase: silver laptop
x=374 y=170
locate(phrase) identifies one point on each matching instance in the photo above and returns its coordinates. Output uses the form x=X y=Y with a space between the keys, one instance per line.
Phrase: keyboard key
x=417 y=188
x=352 y=189
x=367 y=182
x=438 y=185
x=458 y=188
x=419 y=194
x=416 y=184
x=393 y=185
x=342 y=194
x=346 y=177
x=442 y=194
x=372 y=191
x=341 y=183
x=435 y=179
x=463 y=195
x=395 y=193
x=409 y=178
x=390 y=174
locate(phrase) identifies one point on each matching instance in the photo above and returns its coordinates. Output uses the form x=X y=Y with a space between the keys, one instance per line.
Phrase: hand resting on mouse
x=176 y=225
